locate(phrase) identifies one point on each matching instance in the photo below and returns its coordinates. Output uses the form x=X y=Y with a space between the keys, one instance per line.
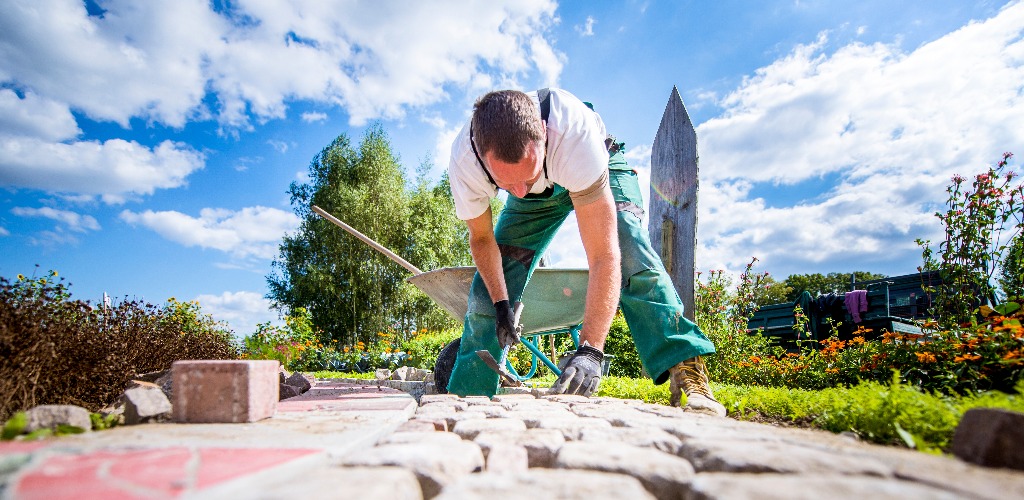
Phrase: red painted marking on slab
x=146 y=473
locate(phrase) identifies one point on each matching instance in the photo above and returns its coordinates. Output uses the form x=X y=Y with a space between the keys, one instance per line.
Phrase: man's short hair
x=505 y=122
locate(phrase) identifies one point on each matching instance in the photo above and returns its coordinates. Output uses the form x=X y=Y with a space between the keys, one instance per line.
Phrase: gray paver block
x=50 y=416
x=145 y=403
x=469 y=429
x=438 y=438
x=221 y=391
x=435 y=398
x=663 y=475
x=991 y=437
x=713 y=455
x=809 y=487
x=541 y=445
x=644 y=438
x=435 y=465
x=501 y=454
x=545 y=483
x=392 y=483
x=489 y=411
x=572 y=427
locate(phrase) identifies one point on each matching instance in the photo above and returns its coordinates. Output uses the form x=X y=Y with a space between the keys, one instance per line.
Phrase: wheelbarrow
x=553 y=301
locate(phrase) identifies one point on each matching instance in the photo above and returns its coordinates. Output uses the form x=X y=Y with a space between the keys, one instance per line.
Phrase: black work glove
x=582 y=374
x=505 y=324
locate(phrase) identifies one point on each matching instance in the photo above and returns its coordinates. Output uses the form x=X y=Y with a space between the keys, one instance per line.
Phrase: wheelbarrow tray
x=554 y=298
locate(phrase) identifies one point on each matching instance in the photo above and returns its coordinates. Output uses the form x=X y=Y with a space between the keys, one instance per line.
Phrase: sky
x=146 y=148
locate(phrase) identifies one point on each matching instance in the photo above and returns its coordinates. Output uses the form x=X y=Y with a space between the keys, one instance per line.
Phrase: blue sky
x=146 y=147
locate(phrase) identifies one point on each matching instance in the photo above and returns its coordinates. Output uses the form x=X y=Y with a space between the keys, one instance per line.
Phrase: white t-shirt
x=576 y=156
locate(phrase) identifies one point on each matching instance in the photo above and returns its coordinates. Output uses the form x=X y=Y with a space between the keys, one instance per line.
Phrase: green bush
x=57 y=350
x=620 y=344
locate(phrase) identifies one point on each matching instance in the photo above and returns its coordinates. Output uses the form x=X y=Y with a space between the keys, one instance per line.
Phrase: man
x=551 y=153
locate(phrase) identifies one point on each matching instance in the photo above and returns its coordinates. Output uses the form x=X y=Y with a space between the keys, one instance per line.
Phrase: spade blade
x=491 y=363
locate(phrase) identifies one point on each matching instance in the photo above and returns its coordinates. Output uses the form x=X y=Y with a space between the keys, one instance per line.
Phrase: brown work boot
x=691 y=377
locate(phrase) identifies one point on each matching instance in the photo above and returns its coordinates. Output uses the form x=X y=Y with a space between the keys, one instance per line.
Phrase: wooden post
x=673 y=212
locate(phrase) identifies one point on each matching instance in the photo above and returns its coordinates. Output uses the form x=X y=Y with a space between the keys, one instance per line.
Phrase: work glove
x=505 y=324
x=582 y=374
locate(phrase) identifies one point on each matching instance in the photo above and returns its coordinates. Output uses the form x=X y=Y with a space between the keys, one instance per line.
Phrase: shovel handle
x=366 y=239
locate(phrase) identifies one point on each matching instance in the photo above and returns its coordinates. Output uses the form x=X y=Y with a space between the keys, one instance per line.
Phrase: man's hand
x=505 y=324
x=582 y=374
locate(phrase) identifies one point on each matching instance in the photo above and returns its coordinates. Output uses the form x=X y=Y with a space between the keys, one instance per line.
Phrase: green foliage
x=14 y=426
x=620 y=344
x=351 y=290
x=975 y=221
x=424 y=347
x=769 y=291
x=820 y=284
x=1011 y=274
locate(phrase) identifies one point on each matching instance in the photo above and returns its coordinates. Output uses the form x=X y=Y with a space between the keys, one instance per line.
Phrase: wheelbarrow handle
x=366 y=239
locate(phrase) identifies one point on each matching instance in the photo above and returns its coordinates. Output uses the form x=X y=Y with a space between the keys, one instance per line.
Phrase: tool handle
x=366 y=239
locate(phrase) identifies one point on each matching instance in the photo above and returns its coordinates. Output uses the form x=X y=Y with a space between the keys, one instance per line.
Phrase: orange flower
x=832 y=370
x=755 y=359
x=967 y=357
x=857 y=340
x=926 y=357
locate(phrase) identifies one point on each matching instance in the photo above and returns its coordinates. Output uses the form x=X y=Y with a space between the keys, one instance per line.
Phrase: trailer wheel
x=445 y=364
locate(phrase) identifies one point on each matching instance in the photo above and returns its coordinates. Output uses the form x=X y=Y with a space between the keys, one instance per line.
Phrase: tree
x=351 y=291
x=819 y=284
x=1011 y=275
x=769 y=291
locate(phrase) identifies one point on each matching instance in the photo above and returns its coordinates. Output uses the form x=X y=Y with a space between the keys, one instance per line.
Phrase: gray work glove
x=505 y=324
x=582 y=374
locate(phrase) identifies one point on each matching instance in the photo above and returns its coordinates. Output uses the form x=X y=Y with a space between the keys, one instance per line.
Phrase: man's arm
x=486 y=255
x=599 y=232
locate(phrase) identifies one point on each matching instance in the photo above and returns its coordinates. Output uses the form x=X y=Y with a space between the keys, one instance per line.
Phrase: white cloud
x=243 y=311
x=587 y=28
x=35 y=116
x=159 y=60
x=279 y=146
x=891 y=126
x=4 y=232
x=311 y=117
x=73 y=221
x=114 y=170
x=253 y=232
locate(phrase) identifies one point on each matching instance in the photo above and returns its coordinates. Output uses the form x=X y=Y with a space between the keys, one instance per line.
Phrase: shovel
x=499 y=366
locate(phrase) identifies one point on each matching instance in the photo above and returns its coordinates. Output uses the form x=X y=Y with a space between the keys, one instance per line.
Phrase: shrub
x=62 y=351
x=975 y=221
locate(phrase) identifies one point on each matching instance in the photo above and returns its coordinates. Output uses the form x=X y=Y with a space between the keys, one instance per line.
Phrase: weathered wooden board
x=673 y=206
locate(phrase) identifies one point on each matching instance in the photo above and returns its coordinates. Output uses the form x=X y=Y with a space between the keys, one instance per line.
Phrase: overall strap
x=544 y=96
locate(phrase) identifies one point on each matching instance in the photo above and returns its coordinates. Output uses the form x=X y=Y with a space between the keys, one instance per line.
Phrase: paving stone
x=438 y=438
x=286 y=391
x=663 y=475
x=437 y=398
x=476 y=400
x=452 y=418
x=571 y=427
x=422 y=426
x=392 y=483
x=501 y=453
x=991 y=437
x=489 y=411
x=468 y=429
x=541 y=445
x=50 y=416
x=146 y=403
x=545 y=483
x=504 y=398
x=645 y=438
x=809 y=487
x=435 y=465
x=714 y=455
x=661 y=410
x=566 y=398
x=301 y=381
x=534 y=417
x=607 y=411
x=222 y=391
x=450 y=405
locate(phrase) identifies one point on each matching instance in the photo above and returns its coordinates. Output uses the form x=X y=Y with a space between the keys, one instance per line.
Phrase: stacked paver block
x=224 y=391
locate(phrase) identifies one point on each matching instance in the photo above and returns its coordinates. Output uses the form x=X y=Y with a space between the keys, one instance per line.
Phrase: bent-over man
x=551 y=153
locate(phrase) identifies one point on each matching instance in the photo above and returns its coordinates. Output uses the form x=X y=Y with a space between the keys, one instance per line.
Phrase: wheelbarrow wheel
x=445 y=364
